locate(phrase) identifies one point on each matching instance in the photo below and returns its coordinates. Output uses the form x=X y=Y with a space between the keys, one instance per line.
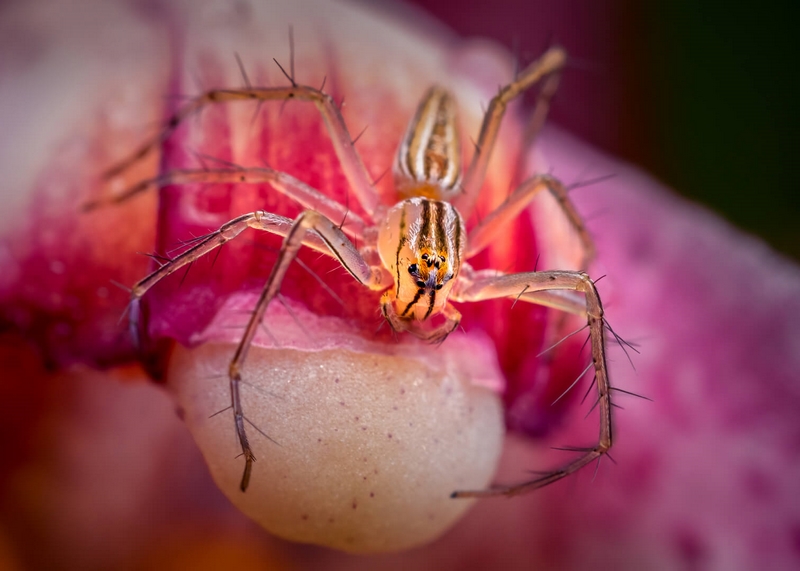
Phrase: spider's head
x=421 y=243
x=425 y=283
x=424 y=292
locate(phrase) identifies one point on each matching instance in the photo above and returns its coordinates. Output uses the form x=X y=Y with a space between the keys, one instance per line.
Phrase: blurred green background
x=700 y=94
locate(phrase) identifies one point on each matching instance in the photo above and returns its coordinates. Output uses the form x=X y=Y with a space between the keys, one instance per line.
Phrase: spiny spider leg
x=258 y=220
x=287 y=185
x=565 y=300
x=552 y=62
x=497 y=221
x=510 y=286
x=350 y=160
x=309 y=223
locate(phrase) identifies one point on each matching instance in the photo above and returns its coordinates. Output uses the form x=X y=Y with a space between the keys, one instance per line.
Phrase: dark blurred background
x=699 y=94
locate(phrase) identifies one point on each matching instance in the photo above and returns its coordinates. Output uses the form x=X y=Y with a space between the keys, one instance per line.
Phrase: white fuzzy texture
x=367 y=447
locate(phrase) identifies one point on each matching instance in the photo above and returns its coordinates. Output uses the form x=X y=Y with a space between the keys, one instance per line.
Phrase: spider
x=422 y=241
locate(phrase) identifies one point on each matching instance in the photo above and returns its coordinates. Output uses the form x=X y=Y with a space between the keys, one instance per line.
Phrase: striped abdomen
x=428 y=161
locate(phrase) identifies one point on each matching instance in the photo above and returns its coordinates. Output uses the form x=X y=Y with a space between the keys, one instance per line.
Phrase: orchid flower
x=99 y=471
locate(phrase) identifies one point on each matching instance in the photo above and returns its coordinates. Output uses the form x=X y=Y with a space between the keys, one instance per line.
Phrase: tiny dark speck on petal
x=402 y=391
x=355 y=504
x=304 y=517
x=372 y=494
x=336 y=380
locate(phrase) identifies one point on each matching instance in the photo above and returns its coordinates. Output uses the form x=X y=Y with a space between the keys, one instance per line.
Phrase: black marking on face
x=413 y=302
x=431 y=304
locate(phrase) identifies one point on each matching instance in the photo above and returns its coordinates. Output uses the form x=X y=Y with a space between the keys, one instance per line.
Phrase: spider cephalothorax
x=421 y=244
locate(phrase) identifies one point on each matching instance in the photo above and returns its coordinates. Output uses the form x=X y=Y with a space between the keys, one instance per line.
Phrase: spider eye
x=438 y=287
x=420 y=283
x=424 y=256
x=412 y=269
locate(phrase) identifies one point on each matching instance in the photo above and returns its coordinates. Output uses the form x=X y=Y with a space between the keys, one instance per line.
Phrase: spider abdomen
x=428 y=161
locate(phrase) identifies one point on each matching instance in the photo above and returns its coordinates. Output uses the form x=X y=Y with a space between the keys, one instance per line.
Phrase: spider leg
x=259 y=220
x=551 y=63
x=350 y=160
x=287 y=185
x=310 y=229
x=307 y=224
x=568 y=301
x=497 y=221
x=524 y=285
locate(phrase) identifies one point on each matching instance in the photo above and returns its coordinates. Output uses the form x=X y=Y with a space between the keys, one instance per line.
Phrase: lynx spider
x=421 y=240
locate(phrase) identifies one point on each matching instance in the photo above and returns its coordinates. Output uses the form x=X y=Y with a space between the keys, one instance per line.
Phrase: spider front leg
x=550 y=64
x=526 y=286
x=308 y=224
x=259 y=220
x=497 y=221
